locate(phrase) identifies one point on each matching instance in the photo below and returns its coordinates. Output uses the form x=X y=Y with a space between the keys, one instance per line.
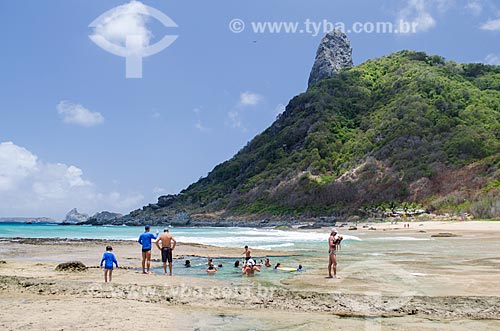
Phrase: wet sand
x=384 y=285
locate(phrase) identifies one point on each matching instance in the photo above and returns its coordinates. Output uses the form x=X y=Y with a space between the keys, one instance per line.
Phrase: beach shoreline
x=460 y=295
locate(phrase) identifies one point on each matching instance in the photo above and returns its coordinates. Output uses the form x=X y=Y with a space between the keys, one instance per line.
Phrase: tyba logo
x=122 y=31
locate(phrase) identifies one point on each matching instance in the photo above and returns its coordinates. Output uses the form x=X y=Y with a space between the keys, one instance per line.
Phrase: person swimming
x=187 y=264
x=237 y=264
x=277 y=266
x=268 y=263
x=299 y=269
x=211 y=269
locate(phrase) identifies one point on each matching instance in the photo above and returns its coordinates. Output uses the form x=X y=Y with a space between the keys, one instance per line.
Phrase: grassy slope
x=403 y=128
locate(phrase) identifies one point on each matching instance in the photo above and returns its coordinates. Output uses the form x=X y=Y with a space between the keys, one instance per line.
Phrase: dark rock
x=352 y=228
x=105 y=216
x=167 y=200
x=311 y=226
x=445 y=235
x=334 y=53
x=73 y=266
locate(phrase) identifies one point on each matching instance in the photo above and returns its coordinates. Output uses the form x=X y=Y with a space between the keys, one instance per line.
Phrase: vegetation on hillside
x=406 y=128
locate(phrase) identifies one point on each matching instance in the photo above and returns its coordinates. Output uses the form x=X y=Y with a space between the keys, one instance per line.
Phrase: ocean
x=266 y=239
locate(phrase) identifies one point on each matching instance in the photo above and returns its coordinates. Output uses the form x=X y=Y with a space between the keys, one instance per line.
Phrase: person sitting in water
x=237 y=264
x=277 y=266
x=187 y=264
x=211 y=269
x=267 y=263
x=209 y=260
x=219 y=265
x=249 y=268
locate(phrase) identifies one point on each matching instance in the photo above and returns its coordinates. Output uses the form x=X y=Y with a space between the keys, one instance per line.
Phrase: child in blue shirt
x=108 y=258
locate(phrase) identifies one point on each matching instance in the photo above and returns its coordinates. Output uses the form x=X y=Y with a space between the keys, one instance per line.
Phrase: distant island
x=403 y=133
x=27 y=220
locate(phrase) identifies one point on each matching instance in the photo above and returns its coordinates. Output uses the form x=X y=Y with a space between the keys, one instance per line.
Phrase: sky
x=79 y=130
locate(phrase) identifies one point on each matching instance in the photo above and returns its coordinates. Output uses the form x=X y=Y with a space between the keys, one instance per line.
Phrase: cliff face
x=334 y=54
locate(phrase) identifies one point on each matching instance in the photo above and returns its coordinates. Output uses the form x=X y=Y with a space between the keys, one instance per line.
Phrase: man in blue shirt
x=145 y=241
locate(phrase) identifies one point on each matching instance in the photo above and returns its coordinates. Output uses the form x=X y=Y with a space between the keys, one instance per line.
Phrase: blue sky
x=75 y=132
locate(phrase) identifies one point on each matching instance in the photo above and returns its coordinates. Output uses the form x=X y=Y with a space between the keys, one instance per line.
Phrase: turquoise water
x=411 y=253
x=266 y=239
x=229 y=272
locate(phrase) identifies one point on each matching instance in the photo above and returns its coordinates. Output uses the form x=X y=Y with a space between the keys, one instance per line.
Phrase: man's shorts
x=166 y=254
x=146 y=250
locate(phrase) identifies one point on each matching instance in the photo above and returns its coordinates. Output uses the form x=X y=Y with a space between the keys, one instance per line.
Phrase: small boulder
x=73 y=266
x=444 y=235
x=352 y=228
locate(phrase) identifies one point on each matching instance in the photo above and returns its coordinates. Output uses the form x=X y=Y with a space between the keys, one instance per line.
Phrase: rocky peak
x=73 y=217
x=334 y=53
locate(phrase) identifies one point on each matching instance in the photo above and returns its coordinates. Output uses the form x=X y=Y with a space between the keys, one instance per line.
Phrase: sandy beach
x=429 y=283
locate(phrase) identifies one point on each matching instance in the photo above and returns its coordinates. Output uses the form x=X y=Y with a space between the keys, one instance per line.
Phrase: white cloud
x=417 y=13
x=198 y=125
x=492 y=59
x=279 y=109
x=73 y=113
x=250 y=99
x=491 y=25
x=475 y=7
x=125 y=20
x=16 y=163
x=121 y=202
x=159 y=190
x=31 y=187
x=442 y=5
x=234 y=120
x=234 y=116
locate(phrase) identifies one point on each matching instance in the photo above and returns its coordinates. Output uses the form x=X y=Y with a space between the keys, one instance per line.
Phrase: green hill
x=403 y=129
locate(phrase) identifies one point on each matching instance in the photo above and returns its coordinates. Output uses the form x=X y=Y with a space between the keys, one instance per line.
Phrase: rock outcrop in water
x=104 y=217
x=334 y=53
x=74 y=217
